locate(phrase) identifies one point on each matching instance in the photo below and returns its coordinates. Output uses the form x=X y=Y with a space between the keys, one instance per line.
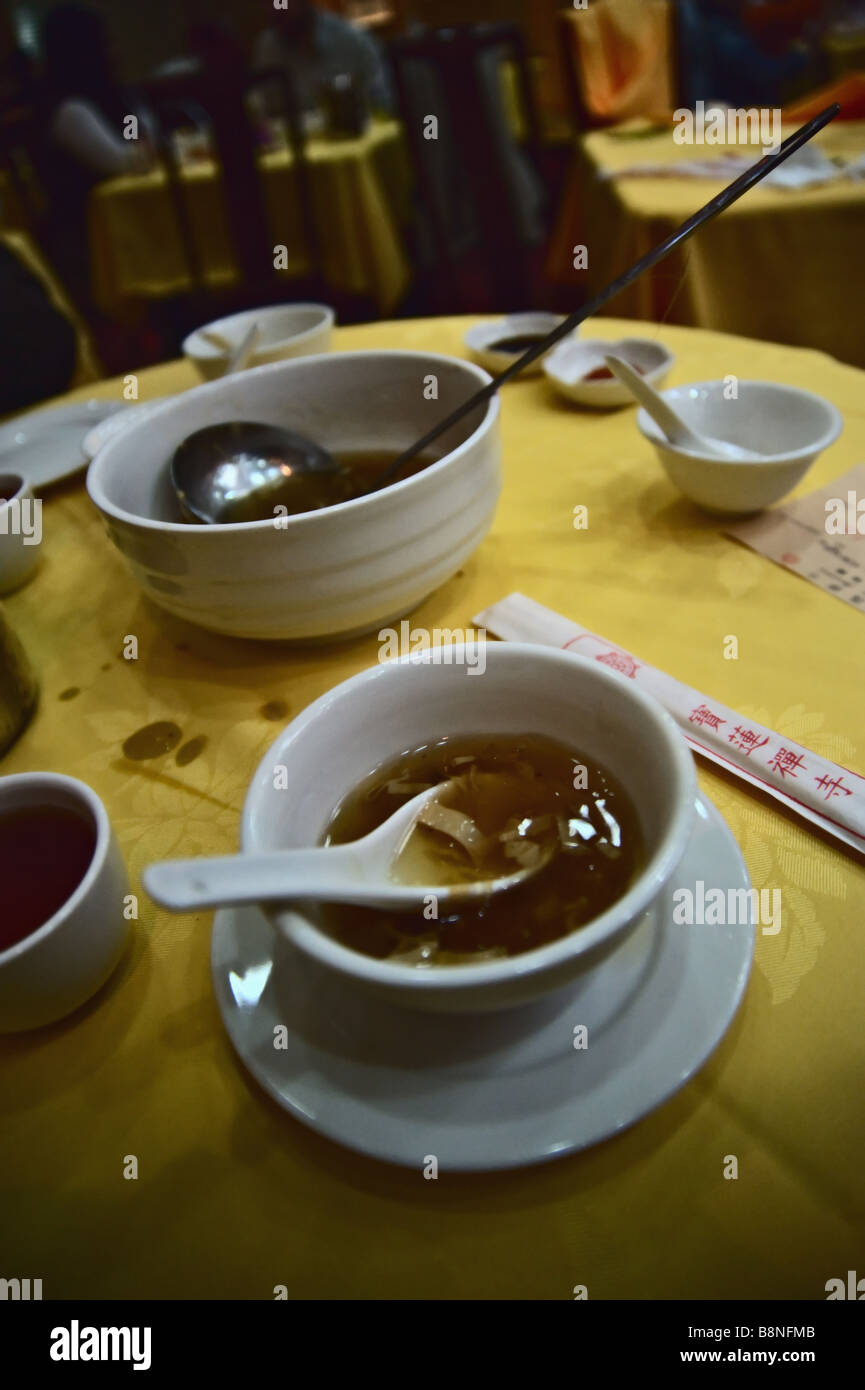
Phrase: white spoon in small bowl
x=672 y=424
x=357 y=872
x=239 y=352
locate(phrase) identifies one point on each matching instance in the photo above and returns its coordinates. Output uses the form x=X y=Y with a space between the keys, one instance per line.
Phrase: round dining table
x=231 y=1197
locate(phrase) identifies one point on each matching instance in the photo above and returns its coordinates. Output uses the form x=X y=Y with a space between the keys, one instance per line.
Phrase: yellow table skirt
x=781 y=265
x=360 y=193
x=233 y=1196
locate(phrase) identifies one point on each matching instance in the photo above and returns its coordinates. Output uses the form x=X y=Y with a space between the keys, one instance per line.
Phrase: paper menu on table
x=818 y=536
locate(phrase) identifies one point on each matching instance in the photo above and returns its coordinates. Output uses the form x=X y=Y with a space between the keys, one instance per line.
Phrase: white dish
x=566 y=366
x=332 y=573
x=490 y=1091
x=523 y=689
x=480 y=337
x=786 y=427
x=46 y=446
x=285 y=330
x=117 y=422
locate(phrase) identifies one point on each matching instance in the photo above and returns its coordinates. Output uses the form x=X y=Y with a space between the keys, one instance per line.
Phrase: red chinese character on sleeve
x=787 y=762
x=833 y=786
x=702 y=715
x=747 y=740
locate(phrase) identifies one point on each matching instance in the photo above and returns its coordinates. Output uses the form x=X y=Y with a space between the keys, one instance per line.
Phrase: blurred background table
x=233 y=1196
x=360 y=192
x=782 y=264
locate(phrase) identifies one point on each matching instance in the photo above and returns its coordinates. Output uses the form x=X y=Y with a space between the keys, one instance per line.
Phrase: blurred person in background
x=85 y=113
x=316 y=48
x=748 y=52
x=37 y=343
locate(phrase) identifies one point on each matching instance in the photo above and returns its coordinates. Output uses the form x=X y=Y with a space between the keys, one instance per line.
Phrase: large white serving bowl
x=522 y=689
x=785 y=427
x=332 y=573
x=285 y=330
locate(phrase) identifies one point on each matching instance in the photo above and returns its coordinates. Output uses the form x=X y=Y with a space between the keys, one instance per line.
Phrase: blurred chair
x=22 y=246
x=619 y=59
x=480 y=200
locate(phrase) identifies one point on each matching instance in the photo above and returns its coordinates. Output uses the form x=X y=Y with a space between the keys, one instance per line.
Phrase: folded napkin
x=824 y=793
x=807 y=168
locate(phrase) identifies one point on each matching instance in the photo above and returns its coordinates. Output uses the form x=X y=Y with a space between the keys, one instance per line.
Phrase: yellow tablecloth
x=233 y=1196
x=780 y=265
x=360 y=192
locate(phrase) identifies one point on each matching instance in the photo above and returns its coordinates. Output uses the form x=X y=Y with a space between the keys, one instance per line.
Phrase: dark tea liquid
x=45 y=851
x=311 y=492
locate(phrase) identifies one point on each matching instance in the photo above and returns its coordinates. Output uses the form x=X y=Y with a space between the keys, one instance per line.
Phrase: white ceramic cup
x=64 y=962
x=284 y=330
x=523 y=689
x=20 y=532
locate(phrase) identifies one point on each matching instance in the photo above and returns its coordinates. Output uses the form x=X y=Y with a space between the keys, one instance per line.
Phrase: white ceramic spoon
x=238 y=353
x=357 y=872
x=244 y=350
x=217 y=340
x=667 y=420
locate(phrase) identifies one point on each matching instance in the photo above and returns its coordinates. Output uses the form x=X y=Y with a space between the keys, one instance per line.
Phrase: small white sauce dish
x=400 y=704
x=285 y=330
x=567 y=365
x=60 y=965
x=786 y=427
x=20 y=532
x=481 y=337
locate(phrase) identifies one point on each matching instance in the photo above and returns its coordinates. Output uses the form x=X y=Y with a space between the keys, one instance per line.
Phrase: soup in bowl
x=545 y=754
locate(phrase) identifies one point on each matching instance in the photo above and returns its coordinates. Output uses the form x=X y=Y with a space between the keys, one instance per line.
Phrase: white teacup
x=49 y=973
x=20 y=532
x=519 y=689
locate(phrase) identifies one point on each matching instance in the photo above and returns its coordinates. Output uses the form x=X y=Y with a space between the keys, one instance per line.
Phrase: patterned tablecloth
x=233 y=1196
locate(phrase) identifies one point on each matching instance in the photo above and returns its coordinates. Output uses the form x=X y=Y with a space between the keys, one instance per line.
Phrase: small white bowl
x=64 y=962
x=480 y=337
x=285 y=330
x=337 y=572
x=785 y=426
x=343 y=736
x=565 y=368
x=20 y=532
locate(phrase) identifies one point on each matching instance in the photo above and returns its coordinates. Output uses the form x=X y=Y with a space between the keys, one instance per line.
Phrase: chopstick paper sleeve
x=824 y=793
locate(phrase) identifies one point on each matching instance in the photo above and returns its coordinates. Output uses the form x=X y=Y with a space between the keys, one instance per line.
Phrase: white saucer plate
x=498 y=1090
x=46 y=446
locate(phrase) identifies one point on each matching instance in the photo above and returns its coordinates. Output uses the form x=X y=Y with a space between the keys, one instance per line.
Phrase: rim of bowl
x=828 y=437
x=481 y=336
x=193 y=342
x=77 y=790
x=637 y=898
x=98 y=465
x=567 y=346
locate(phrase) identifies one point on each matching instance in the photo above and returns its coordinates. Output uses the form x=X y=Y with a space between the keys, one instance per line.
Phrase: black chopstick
x=716 y=205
